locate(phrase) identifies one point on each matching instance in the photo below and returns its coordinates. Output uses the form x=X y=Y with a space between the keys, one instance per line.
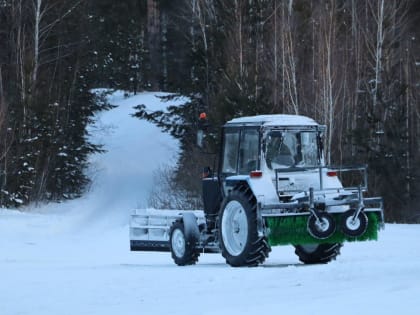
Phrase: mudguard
x=190 y=226
x=262 y=187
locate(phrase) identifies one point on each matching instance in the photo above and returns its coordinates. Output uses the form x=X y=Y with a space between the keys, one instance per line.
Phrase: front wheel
x=317 y=253
x=183 y=247
x=238 y=233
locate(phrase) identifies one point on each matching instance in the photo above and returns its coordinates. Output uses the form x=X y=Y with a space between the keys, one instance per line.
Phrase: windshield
x=291 y=149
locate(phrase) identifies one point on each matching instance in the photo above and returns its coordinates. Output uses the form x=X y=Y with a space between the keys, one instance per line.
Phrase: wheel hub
x=178 y=243
x=234 y=228
x=322 y=225
x=353 y=223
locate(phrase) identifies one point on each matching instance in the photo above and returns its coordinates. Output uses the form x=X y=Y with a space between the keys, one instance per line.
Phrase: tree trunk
x=153 y=30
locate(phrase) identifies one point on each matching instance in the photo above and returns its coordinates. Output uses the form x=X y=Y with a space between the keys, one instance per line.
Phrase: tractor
x=272 y=187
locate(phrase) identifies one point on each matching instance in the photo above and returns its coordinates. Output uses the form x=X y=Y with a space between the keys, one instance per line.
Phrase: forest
x=353 y=65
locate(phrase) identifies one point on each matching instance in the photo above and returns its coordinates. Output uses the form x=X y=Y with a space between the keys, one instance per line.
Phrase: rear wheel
x=183 y=247
x=317 y=253
x=238 y=232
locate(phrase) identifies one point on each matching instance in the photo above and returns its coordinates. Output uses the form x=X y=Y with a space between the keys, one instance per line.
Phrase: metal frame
x=340 y=169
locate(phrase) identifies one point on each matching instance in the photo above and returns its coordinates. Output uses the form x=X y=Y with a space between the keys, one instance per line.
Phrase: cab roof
x=273 y=120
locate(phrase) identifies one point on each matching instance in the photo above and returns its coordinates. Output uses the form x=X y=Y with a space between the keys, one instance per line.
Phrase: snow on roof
x=275 y=120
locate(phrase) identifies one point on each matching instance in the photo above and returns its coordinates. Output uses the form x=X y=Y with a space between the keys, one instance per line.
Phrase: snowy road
x=74 y=258
x=46 y=267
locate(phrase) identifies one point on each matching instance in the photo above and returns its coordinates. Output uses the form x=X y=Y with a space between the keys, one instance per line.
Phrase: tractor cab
x=285 y=150
x=266 y=148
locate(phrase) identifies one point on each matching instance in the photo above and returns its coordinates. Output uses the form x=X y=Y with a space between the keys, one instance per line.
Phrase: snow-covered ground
x=73 y=258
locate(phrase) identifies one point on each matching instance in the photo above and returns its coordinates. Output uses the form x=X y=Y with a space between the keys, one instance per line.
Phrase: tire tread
x=322 y=255
x=258 y=248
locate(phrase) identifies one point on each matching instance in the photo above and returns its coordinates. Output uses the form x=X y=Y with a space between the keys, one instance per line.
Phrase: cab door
x=240 y=154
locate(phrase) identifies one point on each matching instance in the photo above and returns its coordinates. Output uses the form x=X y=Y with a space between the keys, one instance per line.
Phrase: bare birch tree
x=327 y=65
x=289 y=61
x=204 y=15
x=42 y=28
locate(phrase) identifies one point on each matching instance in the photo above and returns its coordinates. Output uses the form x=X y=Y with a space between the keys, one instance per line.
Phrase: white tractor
x=272 y=187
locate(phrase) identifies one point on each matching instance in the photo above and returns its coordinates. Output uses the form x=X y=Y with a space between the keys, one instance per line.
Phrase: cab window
x=248 y=151
x=230 y=151
x=291 y=149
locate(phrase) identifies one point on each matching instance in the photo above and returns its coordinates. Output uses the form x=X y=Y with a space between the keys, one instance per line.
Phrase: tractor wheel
x=183 y=247
x=238 y=234
x=317 y=253
x=352 y=226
